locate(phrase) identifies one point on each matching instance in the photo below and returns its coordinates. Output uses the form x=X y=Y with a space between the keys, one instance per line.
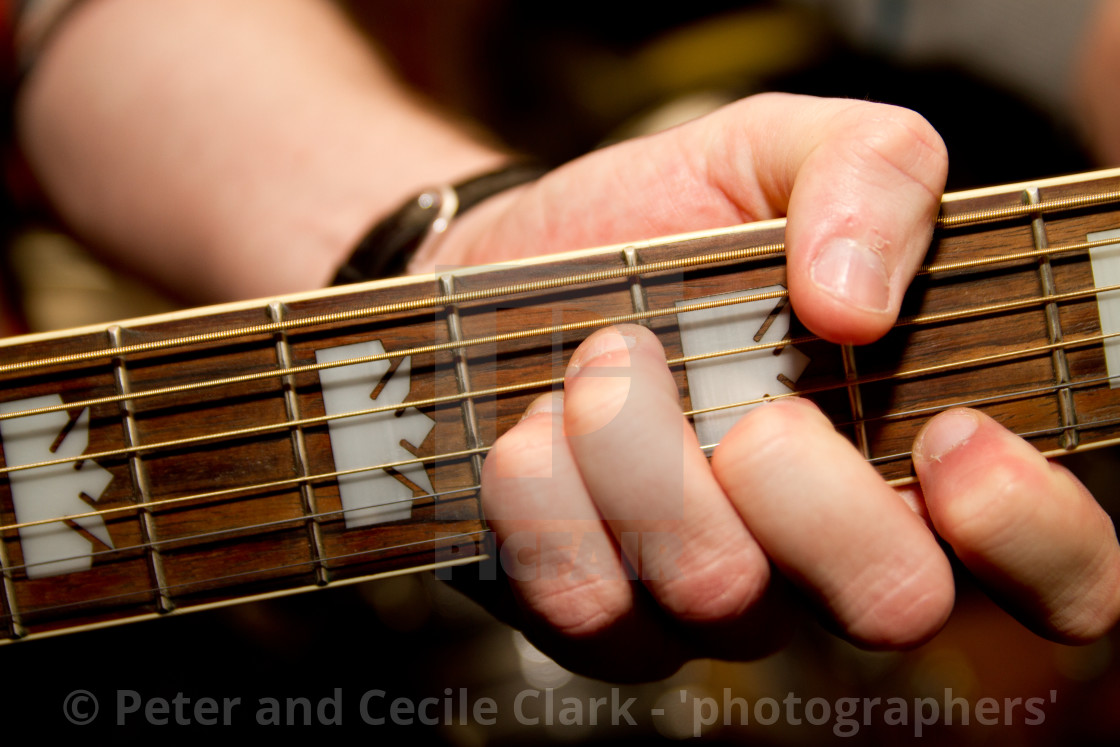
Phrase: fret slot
x=385 y=518
x=855 y=399
x=530 y=339
x=226 y=495
x=638 y=299
x=957 y=358
x=741 y=344
x=8 y=597
x=1070 y=437
x=203 y=455
x=164 y=602
x=299 y=448
x=463 y=377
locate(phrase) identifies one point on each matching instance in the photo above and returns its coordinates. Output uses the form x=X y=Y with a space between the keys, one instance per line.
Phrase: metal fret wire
x=287 y=566
x=640 y=269
x=243 y=574
x=913 y=373
x=263 y=525
x=867 y=379
x=953 y=221
x=430 y=302
x=288 y=424
x=979 y=216
x=1025 y=393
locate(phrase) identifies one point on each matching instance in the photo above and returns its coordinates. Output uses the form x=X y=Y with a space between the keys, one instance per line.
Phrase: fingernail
x=945 y=433
x=601 y=343
x=553 y=402
x=853 y=272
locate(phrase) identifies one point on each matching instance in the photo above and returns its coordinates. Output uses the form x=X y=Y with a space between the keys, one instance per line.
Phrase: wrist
x=410 y=237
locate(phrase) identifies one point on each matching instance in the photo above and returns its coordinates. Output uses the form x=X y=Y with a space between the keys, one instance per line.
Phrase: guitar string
x=903 y=414
x=303 y=519
x=934 y=369
x=147 y=592
x=285 y=425
x=274 y=372
x=542 y=332
x=289 y=566
x=241 y=574
x=968 y=264
x=910 y=373
x=1060 y=429
x=434 y=348
x=180 y=501
x=162 y=544
x=1037 y=433
x=436 y=457
x=288 y=482
x=429 y=302
x=978 y=217
x=989 y=215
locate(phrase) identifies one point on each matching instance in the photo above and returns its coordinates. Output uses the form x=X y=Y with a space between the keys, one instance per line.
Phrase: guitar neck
x=184 y=461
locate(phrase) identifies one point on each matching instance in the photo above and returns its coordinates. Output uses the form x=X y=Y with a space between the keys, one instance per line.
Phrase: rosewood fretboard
x=176 y=462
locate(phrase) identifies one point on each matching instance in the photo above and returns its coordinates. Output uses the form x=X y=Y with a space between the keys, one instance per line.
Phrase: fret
x=421 y=507
x=8 y=603
x=164 y=602
x=638 y=300
x=68 y=563
x=1070 y=437
x=231 y=518
x=228 y=460
x=299 y=447
x=463 y=377
x=530 y=336
x=855 y=399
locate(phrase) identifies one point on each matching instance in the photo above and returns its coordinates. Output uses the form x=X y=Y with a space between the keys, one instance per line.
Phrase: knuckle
x=723 y=588
x=518 y=466
x=986 y=518
x=596 y=402
x=523 y=451
x=1083 y=624
x=582 y=608
x=1091 y=617
x=900 y=603
x=766 y=433
x=1088 y=606
x=902 y=141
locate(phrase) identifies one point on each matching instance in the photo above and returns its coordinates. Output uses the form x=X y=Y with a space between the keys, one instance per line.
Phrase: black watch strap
x=386 y=250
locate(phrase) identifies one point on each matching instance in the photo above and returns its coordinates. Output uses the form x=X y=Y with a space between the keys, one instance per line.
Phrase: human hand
x=608 y=480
